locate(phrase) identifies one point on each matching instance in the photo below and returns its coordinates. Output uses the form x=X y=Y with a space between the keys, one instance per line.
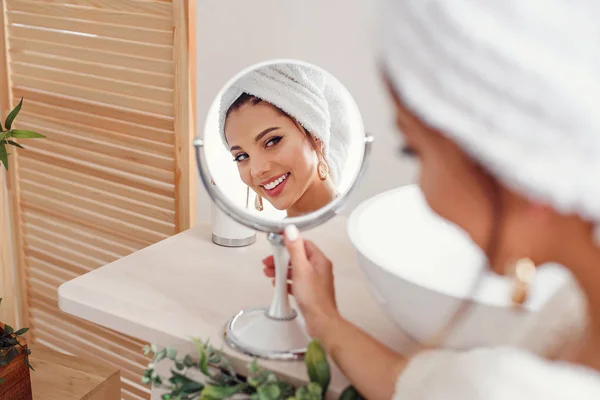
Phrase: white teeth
x=275 y=183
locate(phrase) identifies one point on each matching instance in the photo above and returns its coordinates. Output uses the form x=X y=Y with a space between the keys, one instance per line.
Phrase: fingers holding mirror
x=283 y=139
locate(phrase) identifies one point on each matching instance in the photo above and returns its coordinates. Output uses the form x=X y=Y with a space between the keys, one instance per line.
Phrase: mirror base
x=254 y=333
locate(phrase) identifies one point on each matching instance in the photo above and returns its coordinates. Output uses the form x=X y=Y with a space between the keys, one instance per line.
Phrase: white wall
x=336 y=35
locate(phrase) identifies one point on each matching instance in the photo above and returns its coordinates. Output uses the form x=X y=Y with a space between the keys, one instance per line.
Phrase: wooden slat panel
x=93 y=95
x=103 y=174
x=94 y=218
x=71 y=244
x=52 y=280
x=185 y=205
x=50 y=258
x=142 y=35
x=101 y=110
x=115 y=337
x=107 y=57
x=77 y=347
x=45 y=8
x=141 y=136
x=103 y=197
x=152 y=51
x=88 y=81
x=63 y=253
x=158 y=7
x=160 y=180
x=137 y=388
x=126 y=395
x=55 y=189
x=135 y=145
x=136 y=355
x=61 y=273
x=164 y=204
x=107 y=82
x=43 y=288
x=98 y=143
x=74 y=233
x=137 y=76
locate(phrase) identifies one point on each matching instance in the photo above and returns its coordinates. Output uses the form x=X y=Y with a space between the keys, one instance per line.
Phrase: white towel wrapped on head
x=515 y=83
x=304 y=93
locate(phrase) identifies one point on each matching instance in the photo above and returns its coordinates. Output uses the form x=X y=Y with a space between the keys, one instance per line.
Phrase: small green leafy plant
x=9 y=346
x=7 y=134
x=220 y=381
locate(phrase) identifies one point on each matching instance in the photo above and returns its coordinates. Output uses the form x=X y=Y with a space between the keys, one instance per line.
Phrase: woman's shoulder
x=494 y=373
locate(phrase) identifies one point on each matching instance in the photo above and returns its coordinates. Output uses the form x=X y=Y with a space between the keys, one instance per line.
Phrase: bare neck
x=318 y=195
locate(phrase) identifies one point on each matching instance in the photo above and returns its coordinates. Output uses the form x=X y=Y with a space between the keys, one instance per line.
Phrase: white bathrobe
x=510 y=373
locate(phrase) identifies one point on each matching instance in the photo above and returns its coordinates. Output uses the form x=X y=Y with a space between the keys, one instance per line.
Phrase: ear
x=319 y=145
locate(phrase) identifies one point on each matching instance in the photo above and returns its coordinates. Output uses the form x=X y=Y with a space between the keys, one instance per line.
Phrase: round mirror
x=284 y=143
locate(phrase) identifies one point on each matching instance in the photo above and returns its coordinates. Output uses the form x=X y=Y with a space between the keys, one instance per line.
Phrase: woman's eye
x=273 y=141
x=408 y=151
x=240 y=157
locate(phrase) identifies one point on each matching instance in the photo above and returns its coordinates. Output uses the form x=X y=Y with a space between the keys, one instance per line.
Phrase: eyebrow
x=258 y=137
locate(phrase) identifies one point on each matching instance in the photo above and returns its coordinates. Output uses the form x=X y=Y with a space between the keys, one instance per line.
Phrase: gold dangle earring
x=523 y=273
x=322 y=169
x=258 y=202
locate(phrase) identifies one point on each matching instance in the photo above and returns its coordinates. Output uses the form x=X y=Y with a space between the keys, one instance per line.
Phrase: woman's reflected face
x=273 y=154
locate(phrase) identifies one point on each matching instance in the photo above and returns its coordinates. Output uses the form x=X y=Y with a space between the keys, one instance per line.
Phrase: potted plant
x=220 y=381
x=15 y=382
x=7 y=134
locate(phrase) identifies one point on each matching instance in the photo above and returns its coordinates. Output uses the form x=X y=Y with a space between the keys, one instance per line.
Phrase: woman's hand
x=371 y=367
x=312 y=285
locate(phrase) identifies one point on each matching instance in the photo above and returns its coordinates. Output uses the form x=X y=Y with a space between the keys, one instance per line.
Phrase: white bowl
x=421 y=268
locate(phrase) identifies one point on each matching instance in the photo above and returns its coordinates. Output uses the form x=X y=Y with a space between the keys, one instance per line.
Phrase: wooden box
x=16 y=376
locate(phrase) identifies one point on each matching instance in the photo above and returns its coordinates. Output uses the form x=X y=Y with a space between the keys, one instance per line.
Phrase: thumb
x=295 y=245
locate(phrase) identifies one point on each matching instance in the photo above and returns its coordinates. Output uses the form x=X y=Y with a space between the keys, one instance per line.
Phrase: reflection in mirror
x=283 y=143
x=283 y=140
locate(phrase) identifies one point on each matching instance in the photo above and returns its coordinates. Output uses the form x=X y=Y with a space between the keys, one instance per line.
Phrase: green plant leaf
x=26 y=359
x=315 y=390
x=270 y=391
x=188 y=361
x=171 y=353
x=192 y=387
x=211 y=392
x=13 y=114
x=317 y=365
x=3 y=155
x=25 y=134
x=21 y=331
x=161 y=354
x=350 y=393
x=12 y=142
x=8 y=329
x=203 y=359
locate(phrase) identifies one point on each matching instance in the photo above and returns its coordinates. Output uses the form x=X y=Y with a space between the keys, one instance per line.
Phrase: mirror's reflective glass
x=283 y=139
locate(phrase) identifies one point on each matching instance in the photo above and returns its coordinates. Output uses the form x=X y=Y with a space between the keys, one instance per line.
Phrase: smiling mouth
x=275 y=187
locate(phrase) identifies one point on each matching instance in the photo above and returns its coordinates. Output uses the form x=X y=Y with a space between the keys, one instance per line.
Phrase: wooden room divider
x=108 y=83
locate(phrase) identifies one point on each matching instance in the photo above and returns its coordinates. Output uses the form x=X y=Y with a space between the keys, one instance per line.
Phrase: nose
x=259 y=166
